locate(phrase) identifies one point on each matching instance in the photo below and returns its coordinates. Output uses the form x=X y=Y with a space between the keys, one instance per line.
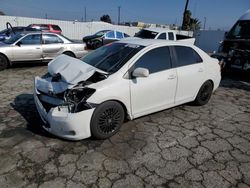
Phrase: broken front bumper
x=72 y=126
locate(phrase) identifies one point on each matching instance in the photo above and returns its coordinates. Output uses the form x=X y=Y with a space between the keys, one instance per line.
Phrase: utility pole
x=85 y=14
x=119 y=14
x=205 y=19
x=184 y=14
x=46 y=16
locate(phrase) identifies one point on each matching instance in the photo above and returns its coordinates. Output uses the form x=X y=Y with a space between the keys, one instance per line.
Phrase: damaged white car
x=93 y=96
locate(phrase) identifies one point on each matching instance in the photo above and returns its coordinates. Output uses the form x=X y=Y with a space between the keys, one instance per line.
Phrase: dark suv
x=234 y=51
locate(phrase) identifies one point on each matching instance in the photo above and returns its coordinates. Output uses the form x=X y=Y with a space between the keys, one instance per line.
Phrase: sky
x=219 y=14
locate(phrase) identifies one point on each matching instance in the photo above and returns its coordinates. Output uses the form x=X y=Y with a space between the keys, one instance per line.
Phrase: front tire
x=3 y=62
x=204 y=94
x=107 y=119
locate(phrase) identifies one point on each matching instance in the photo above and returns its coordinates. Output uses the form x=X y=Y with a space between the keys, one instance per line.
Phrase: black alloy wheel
x=107 y=119
x=204 y=93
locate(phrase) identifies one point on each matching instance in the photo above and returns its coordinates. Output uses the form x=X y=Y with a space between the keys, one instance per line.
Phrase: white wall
x=72 y=30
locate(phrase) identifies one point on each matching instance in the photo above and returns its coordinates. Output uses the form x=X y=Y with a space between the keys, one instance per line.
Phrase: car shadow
x=236 y=79
x=29 y=64
x=24 y=104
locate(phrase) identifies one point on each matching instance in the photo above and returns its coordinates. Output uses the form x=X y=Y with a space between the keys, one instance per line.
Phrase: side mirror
x=140 y=72
x=19 y=43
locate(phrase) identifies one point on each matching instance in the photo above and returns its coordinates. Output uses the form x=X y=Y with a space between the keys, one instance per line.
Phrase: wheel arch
x=68 y=51
x=125 y=109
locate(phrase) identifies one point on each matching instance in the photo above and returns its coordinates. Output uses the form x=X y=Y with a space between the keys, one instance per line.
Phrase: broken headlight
x=75 y=99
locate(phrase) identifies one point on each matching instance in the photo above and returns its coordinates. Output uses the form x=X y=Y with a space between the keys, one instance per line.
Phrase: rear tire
x=71 y=54
x=107 y=120
x=97 y=44
x=3 y=62
x=204 y=94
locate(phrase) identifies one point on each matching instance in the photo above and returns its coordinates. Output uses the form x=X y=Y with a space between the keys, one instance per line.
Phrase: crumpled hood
x=72 y=71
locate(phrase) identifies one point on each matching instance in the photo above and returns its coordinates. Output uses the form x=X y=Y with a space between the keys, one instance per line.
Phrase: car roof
x=245 y=16
x=156 y=29
x=148 y=42
x=41 y=24
x=38 y=32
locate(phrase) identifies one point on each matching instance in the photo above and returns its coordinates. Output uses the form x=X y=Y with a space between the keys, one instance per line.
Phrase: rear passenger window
x=170 y=36
x=155 y=60
x=110 y=34
x=186 y=56
x=51 y=39
x=162 y=36
x=56 y=27
x=119 y=35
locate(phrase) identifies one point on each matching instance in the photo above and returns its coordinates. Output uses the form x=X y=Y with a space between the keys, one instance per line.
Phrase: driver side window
x=155 y=60
x=31 y=40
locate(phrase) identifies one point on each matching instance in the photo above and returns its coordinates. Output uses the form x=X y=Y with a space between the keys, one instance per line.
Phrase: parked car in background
x=47 y=28
x=165 y=34
x=37 y=46
x=103 y=37
x=9 y=32
x=129 y=78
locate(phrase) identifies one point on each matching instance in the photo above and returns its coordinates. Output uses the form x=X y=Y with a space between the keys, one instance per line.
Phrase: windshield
x=112 y=57
x=241 y=30
x=145 y=34
x=3 y=31
x=13 y=39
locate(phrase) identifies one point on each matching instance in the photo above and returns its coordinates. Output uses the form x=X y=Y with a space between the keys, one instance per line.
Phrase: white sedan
x=93 y=96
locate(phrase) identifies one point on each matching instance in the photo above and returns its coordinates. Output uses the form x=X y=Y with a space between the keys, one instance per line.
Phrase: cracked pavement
x=185 y=146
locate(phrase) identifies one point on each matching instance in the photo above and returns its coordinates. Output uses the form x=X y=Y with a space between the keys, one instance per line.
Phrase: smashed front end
x=61 y=97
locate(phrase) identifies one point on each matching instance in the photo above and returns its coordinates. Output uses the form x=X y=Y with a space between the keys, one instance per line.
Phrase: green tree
x=195 y=24
x=187 y=20
x=190 y=23
x=106 y=18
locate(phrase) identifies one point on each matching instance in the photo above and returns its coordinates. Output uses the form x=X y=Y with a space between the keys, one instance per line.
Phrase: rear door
x=52 y=46
x=28 y=48
x=190 y=71
x=157 y=91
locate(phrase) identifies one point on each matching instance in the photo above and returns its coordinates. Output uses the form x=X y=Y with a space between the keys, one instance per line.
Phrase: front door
x=28 y=48
x=157 y=91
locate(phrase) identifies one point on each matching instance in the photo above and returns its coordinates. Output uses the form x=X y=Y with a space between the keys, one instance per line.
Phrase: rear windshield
x=13 y=39
x=111 y=57
x=180 y=37
x=40 y=27
x=145 y=34
x=56 y=27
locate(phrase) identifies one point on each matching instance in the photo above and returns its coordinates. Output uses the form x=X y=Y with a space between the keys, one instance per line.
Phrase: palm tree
x=195 y=24
x=184 y=16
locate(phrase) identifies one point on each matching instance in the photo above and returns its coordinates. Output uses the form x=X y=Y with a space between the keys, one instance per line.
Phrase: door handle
x=200 y=70
x=38 y=48
x=171 y=77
